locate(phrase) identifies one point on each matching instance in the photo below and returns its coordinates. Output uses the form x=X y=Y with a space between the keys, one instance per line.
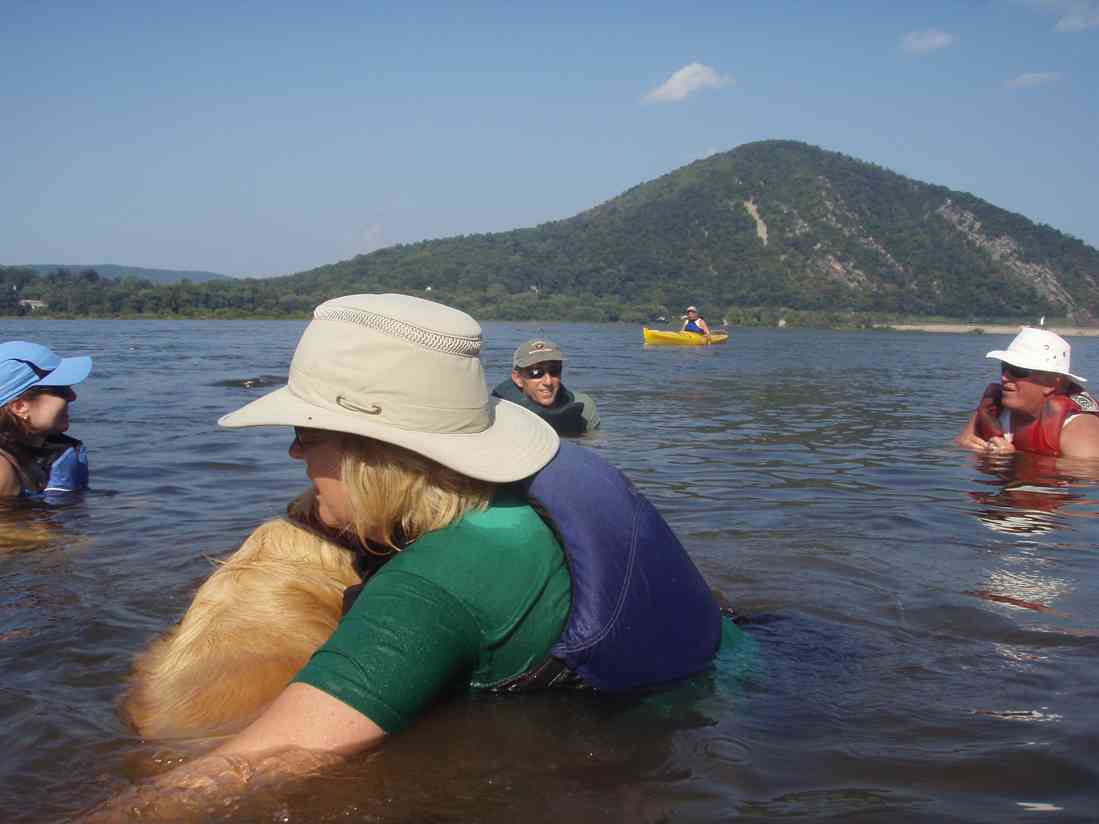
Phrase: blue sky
x=270 y=137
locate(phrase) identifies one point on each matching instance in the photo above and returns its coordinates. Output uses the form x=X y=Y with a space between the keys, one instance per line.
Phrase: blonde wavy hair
x=398 y=496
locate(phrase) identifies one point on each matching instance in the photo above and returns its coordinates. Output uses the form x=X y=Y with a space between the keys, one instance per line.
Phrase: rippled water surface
x=926 y=622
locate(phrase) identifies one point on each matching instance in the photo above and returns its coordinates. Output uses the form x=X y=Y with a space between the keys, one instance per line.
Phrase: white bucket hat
x=405 y=371
x=1038 y=349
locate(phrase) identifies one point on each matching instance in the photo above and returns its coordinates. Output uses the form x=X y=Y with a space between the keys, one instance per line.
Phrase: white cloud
x=927 y=41
x=1028 y=80
x=1072 y=15
x=686 y=81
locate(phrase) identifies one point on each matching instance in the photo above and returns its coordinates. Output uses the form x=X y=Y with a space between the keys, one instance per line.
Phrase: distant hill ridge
x=775 y=222
x=117 y=272
x=775 y=225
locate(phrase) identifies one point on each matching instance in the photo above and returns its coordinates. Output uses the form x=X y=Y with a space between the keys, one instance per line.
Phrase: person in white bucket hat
x=1039 y=405
x=466 y=586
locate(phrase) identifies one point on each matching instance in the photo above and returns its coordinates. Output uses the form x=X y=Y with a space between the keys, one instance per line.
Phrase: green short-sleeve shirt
x=471 y=605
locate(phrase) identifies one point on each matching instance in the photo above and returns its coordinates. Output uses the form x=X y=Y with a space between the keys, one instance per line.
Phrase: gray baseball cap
x=537 y=350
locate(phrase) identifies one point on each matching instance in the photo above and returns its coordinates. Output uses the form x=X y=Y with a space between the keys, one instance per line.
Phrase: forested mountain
x=772 y=223
x=768 y=224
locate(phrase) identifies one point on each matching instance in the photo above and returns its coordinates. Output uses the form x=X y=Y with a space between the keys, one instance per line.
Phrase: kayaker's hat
x=408 y=372
x=1040 y=350
x=25 y=365
x=538 y=350
x=692 y=308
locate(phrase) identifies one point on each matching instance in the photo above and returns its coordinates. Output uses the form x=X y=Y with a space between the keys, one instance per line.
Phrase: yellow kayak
x=663 y=338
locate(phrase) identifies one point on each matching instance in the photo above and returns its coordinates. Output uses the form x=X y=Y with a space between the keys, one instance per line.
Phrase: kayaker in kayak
x=535 y=383
x=695 y=323
x=1038 y=406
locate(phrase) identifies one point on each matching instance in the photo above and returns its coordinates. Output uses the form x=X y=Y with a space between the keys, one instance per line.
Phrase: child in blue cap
x=36 y=457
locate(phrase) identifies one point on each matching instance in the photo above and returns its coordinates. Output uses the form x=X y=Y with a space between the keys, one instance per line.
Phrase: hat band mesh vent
x=452 y=344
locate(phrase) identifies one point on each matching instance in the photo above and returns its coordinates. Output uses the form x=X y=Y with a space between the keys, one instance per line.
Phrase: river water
x=925 y=622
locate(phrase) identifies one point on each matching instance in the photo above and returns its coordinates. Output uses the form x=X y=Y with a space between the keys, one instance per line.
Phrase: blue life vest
x=694 y=327
x=69 y=471
x=641 y=612
x=57 y=467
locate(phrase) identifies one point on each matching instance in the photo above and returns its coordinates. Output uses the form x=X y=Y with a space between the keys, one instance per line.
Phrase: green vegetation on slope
x=842 y=236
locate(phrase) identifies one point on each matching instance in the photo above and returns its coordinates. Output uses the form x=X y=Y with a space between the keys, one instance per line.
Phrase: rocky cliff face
x=1005 y=251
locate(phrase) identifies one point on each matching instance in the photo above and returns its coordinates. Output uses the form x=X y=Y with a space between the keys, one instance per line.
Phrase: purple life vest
x=641 y=612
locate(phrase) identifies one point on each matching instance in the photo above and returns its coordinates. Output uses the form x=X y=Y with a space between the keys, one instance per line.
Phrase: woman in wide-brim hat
x=36 y=388
x=423 y=475
x=409 y=459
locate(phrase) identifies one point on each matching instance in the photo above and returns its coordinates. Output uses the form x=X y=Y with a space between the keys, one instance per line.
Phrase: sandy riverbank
x=961 y=328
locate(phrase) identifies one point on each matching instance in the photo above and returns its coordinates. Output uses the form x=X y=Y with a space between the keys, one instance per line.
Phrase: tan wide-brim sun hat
x=408 y=372
x=1040 y=350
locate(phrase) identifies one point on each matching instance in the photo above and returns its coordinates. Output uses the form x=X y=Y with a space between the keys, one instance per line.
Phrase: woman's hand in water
x=301 y=732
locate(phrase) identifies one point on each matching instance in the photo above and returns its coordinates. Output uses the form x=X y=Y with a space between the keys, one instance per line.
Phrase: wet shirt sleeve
x=404 y=643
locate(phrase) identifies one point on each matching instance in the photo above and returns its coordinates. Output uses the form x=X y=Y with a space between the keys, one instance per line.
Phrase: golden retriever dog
x=252 y=625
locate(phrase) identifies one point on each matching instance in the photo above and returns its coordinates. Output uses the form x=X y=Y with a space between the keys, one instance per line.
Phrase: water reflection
x=1028 y=491
x=28 y=525
x=1028 y=496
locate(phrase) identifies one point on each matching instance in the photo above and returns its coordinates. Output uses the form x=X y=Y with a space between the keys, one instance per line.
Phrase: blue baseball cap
x=24 y=365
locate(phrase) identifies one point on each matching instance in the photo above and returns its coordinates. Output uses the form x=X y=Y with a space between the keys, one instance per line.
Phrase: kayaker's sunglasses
x=533 y=373
x=1016 y=372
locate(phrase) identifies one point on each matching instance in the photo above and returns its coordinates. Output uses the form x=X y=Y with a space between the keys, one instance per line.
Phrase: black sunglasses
x=63 y=392
x=535 y=372
x=306 y=437
x=1015 y=371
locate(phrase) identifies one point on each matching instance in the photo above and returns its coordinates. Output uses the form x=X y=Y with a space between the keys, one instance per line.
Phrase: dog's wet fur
x=252 y=625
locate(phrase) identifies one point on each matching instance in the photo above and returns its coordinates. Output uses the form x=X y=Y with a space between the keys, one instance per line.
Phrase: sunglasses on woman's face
x=1016 y=372
x=534 y=373
x=305 y=437
x=66 y=393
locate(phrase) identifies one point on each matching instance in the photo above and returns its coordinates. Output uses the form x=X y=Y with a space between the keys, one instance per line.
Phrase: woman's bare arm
x=302 y=732
x=9 y=479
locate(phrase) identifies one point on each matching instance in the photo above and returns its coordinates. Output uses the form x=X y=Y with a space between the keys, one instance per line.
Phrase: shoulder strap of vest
x=1085 y=401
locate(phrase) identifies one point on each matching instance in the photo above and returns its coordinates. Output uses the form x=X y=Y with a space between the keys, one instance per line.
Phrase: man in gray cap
x=536 y=384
